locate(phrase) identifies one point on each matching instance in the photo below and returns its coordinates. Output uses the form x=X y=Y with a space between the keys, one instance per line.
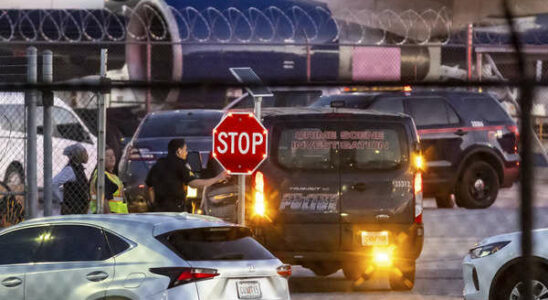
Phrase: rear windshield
x=348 y=145
x=215 y=243
x=179 y=125
x=486 y=109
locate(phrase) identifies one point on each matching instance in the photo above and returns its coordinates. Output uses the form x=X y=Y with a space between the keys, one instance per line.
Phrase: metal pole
x=241 y=200
x=47 y=97
x=539 y=70
x=149 y=75
x=101 y=140
x=258 y=102
x=31 y=203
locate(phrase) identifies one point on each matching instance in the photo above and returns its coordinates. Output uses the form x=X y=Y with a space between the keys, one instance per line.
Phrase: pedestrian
x=70 y=185
x=113 y=188
x=168 y=179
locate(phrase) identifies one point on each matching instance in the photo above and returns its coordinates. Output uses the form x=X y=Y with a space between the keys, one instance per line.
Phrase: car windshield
x=179 y=125
x=215 y=243
x=348 y=145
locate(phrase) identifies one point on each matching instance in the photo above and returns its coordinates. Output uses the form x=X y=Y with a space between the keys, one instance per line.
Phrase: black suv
x=469 y=141
x=339 y=189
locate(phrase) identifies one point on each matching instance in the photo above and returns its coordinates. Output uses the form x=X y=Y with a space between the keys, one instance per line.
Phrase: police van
x=341 y=188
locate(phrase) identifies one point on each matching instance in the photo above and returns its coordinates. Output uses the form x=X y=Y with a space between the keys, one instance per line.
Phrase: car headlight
x=488 y=249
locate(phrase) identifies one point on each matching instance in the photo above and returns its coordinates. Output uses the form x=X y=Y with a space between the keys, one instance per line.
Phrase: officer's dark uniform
x=169 y=178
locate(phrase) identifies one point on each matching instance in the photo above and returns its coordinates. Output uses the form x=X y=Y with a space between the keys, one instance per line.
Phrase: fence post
x=47 y=101
x=101 y=139
x=31 y=199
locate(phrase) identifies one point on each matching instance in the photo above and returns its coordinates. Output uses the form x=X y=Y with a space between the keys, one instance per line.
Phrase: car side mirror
x=195 y=161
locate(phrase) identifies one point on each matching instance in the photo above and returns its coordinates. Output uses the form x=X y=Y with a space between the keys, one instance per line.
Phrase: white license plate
x=374 y=238
x=248 y=289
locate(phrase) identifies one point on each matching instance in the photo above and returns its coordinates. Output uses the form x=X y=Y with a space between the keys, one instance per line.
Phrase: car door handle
x=360 y=186
x=11 y=281
x=461 y=132
x=97 y=276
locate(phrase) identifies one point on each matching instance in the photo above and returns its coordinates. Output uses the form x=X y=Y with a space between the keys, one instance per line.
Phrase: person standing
x=114 y=188
x=168 y=179
x=73 y=182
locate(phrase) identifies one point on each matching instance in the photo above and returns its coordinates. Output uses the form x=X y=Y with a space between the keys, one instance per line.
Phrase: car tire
x=478 y=186
x=14 y=176
x=322 y=268
x=402 y=276
x=445 y=201
x=353 y=270
x=512 y=285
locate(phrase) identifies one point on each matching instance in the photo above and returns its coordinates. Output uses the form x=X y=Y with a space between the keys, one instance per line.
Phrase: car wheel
x=353 y=270
x=445 y=201
x=325 y=268
x=402 y=276
x=512 y=287
x=14 y=176
x=478 y=187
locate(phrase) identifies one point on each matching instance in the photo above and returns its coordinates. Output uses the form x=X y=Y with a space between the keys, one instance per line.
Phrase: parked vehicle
x=150 y=256
x=68 y=129
x=469 y=141
x=492 y=268
x=150 y=143
x=340 y=189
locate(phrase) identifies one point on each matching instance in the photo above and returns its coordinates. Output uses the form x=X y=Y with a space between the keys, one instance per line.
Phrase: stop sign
x=240 y=143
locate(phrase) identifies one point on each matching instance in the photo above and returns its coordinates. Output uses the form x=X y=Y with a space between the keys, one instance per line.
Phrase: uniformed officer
x=114 y=189
x=170 y=176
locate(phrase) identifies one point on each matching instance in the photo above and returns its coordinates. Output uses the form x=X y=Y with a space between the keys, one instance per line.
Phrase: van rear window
x=215 y=243
x=348 y=145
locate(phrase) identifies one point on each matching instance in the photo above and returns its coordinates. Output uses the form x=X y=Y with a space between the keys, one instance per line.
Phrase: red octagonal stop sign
x=240 y=143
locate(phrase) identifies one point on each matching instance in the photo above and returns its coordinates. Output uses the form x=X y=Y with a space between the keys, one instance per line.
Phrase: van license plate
x=372 y=238
x=248 y=289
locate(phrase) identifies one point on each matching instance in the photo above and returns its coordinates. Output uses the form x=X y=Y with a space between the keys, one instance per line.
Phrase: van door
x=302 y=183
x=376 y=184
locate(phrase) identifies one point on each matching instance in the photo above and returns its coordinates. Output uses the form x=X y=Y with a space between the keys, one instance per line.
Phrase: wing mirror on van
x=195 y=161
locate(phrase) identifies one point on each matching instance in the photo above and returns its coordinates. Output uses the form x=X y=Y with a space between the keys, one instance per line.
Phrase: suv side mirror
x=195 y=161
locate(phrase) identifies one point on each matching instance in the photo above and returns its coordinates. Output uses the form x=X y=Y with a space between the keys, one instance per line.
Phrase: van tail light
x=259 y=205
x=417 y=193
x=515 y=130
x=139 y=154
x=179 y=276
x=284 y=271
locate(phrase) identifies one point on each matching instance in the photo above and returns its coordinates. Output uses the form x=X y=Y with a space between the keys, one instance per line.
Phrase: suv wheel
x=478 y=187
x=402 y=277
x=445 y=201
x=325 y=268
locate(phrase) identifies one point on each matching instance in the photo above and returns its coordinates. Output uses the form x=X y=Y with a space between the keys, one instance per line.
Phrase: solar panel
x=249 y=77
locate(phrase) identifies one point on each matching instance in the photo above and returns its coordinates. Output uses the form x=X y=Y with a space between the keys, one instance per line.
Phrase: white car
x=68 y=129
x=491 y=269
x=137 y=256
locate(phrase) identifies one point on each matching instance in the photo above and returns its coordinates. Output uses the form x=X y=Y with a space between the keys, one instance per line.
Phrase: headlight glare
x=486 y=250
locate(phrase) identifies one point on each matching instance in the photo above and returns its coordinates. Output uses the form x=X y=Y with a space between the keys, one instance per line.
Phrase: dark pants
x=168 y=204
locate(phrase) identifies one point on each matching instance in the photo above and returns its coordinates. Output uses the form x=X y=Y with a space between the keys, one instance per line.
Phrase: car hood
x=540 y=238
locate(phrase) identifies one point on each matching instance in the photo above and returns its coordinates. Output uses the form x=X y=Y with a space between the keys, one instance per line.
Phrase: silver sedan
x=141 y=256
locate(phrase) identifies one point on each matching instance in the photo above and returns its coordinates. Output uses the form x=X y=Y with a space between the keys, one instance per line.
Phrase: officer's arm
x=200 y=183
x=151 y=195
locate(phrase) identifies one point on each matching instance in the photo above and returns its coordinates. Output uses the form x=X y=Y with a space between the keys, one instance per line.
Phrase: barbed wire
x=153 y=22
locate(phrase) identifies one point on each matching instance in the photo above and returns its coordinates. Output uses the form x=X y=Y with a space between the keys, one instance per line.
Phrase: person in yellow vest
x=114 y=189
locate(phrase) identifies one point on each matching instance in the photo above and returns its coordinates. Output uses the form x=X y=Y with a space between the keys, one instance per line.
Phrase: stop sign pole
x=257 y=90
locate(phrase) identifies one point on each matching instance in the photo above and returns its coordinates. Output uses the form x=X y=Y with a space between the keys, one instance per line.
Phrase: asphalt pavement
x=449 y=234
